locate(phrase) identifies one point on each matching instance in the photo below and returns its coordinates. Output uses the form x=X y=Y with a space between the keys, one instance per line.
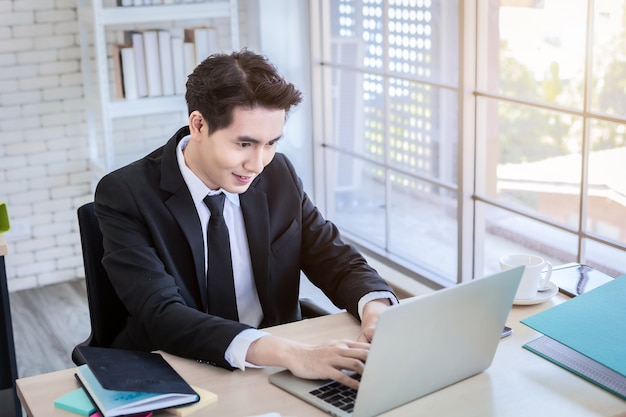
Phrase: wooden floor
x=47 y=323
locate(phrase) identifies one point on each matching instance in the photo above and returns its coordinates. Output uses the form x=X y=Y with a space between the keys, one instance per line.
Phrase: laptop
x=421 y=345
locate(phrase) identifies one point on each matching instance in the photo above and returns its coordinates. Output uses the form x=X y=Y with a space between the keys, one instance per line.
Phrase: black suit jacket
x=154 y=254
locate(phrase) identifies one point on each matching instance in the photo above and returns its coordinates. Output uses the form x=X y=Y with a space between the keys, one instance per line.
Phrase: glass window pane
x=358 y=114
x=355 y=193
x=609 y=57
x=423 y=225
x=605 y=258
x=509 y=233
x=537 y=50
x=533 y=159
x=422 y=37
x=422 y=133
x=423 y=130
x=356 y=33
x=606 y=199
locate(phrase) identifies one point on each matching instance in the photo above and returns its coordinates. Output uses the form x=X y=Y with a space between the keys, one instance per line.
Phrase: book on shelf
x=204 y=39
x=124 y=72
x=135 y=39
x=122 y=382
x=189 y=58
x=153 y=64
x=178 y=64
x=117 y=70
x=129 y=73
x=166 y=62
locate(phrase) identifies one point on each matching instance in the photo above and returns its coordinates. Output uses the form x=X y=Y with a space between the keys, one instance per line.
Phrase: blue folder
x=593 y=324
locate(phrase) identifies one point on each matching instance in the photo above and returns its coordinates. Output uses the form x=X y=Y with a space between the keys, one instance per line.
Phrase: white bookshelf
x=97 y=19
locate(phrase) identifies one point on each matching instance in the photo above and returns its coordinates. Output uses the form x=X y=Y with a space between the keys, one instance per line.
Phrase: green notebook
x=593 y=324
x=77 y=402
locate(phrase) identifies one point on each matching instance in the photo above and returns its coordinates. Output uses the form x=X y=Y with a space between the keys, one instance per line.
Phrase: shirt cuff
x=238 y=349
x=375 y=295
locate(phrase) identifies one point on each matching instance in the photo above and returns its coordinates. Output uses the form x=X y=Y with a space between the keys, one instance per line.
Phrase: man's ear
x=196 y=122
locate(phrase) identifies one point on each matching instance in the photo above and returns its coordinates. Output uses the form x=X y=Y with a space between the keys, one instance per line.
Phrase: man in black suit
x=154 y=221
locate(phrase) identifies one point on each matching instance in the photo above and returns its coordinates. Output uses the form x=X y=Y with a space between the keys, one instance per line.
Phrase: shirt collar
x=197 y=188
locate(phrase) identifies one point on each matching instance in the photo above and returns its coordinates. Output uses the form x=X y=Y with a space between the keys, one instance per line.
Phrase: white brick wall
x=43 y=152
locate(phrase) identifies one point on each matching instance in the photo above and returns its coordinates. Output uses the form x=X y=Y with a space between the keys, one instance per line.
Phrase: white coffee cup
x=537 y=272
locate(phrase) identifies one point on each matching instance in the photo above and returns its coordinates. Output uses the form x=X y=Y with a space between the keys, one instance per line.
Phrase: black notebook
x=122 y=382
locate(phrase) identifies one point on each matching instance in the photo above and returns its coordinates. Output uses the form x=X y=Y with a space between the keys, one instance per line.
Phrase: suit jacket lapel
x=182 y=208
x=184 y=211
x=256 y=217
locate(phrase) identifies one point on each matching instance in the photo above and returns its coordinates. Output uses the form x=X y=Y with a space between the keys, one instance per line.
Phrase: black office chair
x=107 y=314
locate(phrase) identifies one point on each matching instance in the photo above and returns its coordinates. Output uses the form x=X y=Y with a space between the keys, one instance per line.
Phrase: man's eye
x=244 y=144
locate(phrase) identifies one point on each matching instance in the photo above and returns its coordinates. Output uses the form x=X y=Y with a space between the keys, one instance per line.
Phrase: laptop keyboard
x=337 y=394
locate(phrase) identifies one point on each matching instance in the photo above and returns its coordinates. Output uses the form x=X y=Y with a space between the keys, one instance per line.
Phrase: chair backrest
x=106 y=311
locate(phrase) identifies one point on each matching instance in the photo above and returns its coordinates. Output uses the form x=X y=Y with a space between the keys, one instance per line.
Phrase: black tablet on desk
x=574 y=279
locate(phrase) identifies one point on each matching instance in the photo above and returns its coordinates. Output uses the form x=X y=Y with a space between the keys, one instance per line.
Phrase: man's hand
x=326 y=361
x=371 y=312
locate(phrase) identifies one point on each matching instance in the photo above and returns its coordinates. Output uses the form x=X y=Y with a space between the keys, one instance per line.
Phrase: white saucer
x=541 y=296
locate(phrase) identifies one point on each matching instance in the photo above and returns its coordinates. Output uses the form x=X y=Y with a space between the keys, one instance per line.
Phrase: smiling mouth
x=244 y=177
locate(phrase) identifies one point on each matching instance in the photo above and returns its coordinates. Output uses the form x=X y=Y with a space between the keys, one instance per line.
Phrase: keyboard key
x=337 y=394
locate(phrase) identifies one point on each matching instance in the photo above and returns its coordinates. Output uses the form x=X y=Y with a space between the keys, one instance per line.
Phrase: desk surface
x=518 y=383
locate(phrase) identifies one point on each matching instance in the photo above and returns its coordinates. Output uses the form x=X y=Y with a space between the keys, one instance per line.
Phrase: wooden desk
x=518 y=383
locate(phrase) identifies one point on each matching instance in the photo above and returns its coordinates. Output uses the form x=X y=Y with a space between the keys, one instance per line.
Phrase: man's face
x=232 y=157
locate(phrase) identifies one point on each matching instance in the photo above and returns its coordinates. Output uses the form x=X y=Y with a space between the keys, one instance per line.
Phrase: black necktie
x=220 y=284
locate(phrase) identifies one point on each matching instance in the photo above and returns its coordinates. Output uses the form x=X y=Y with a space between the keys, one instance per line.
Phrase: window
x=450 y=133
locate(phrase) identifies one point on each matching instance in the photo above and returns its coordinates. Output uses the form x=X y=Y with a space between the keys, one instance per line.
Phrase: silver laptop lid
x=429 y=342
